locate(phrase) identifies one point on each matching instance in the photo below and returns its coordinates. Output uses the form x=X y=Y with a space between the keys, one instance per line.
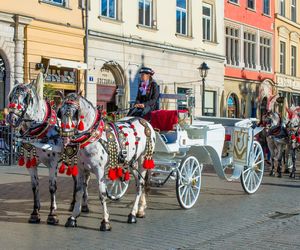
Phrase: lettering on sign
x=285 y=82
x=106 y=78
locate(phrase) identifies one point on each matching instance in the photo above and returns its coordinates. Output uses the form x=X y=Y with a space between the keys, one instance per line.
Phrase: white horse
x=36 y=121
x=93 y=145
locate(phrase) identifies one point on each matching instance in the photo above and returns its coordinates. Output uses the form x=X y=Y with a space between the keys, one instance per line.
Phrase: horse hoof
x=131 y=219
x=271 y=173
x=34 y=218
x=105 y=226
x=85 y=209
x=140 y=214
x=71 y=222
x=52 y=219
x=292 y=175
x=71 y=208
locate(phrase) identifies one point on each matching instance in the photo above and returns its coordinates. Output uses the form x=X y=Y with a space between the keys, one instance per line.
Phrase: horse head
x=76 y=115
x=20 y=104
x=293 y=119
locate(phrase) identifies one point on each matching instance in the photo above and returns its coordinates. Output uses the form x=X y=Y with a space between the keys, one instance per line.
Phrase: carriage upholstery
x=165 y=120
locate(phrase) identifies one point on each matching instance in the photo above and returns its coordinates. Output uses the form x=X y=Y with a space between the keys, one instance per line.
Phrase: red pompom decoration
x=121 y=127
x=33 y=162
x=148 y=164
x=75 y=170
x=69 y=171
x=19 y=107
x=73 y=125
x=21 y=161
x=112 y=174
x=62 y=168
x=68 y=126
x=136 y=143
x=298 y=139
x=125 y=134
x=135 y=133
x=28 y=163
x=132 y=126
x=81 y=126
x=82 y=117
x=127 y=176
x=293 y=137
x=63 y=125
x=126 y=143
x=120 y=172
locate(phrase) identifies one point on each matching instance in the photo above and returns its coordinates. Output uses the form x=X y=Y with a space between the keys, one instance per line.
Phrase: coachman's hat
x=146 y=70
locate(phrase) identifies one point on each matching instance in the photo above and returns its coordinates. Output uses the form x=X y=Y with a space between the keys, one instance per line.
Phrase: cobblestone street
x=224 y=217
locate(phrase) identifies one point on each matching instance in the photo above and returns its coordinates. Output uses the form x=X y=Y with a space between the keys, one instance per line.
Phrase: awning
x=67 y=63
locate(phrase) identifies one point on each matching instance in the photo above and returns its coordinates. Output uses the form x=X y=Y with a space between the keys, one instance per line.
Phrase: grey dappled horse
x=92 y=145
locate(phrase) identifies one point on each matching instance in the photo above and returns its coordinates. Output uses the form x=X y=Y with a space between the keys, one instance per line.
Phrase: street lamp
x=203 y=69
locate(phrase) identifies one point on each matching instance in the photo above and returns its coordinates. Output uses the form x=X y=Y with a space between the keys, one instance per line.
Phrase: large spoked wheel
x=188 y=182
x=252 y=175
x=116 y=189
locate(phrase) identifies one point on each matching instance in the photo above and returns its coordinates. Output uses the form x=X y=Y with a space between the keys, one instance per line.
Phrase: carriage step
x=166 y=163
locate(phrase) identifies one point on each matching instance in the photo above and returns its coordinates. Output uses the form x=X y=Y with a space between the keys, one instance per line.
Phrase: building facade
x=41 y=35
x=171 y=37
x=249 y=50
x=287 y=47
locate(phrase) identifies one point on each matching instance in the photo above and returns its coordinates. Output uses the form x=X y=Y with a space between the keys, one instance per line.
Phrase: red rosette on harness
x=112 y=174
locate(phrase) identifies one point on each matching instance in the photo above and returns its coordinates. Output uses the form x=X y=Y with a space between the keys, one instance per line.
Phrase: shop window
x=182 y=105
x=210 y=103
x=232 y=106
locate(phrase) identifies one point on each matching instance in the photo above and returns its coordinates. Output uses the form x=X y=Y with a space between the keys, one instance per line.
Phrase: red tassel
x=127 y=176
x=73 y=125
x=69 y=170
x=33 y=162
x=68 y=126
x=81 y=126
x=28 y=163
x=21 y=161
x=120 y=172
x=62 y=168
x=112 y=174
x=298 y=139
x=148 y=164
x=19 y=107
x=63 y=125
x=75 y=170
x=293 y=137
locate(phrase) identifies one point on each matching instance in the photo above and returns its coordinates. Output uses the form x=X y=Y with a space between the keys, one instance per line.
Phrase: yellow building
x=287 y=48
x=41 y=34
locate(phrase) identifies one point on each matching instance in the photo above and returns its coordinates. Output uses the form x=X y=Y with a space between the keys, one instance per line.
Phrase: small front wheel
x=188 y=182
x=252 y=175
x=116 y=189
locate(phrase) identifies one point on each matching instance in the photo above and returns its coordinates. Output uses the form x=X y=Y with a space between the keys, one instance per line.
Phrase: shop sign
x=285 y=82
x=106 y=78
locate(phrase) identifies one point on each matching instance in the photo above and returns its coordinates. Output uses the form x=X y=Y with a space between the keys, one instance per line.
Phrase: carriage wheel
x=116 y=189
x=188 y=182
x=252 y=175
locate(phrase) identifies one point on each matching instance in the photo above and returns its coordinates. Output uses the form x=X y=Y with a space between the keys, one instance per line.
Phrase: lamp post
x=203 y=69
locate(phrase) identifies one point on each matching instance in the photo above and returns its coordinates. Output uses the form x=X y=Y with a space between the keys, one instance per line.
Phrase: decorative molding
x=294 y=36
x=283 y=31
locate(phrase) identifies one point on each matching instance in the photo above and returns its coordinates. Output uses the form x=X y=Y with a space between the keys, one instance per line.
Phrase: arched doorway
x=110 y=87
x=263 y=106
x=2 y=83
x=232 y=106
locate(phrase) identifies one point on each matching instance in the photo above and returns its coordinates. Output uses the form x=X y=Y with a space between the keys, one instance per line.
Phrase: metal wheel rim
x=253 y=174
x=116 y=189
x=189 y=182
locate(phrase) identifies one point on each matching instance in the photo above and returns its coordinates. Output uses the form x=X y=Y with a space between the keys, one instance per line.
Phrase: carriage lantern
x=203 y=69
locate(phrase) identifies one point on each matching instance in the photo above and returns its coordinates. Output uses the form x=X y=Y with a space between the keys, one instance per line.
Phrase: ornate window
x=232 y=106
x=293 y=60
x=265 y=53
x=249 y=50
x=232 y=46
x=282 y=57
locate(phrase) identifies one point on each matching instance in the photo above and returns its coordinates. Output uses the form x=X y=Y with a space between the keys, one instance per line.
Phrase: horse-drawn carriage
x=184 y=145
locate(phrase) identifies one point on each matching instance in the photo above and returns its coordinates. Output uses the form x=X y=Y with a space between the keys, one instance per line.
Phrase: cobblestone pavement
x=224 y=217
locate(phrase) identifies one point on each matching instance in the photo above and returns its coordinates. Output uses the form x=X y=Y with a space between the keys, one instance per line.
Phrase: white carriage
x=182 y=149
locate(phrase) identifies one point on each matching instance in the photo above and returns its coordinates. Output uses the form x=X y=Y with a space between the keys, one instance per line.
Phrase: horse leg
x=72 y=222
x=143 y=202
x=85 y=207
x=52 y=217
x=279 y=160
x=293 y=173
x=105 y=224
x=35 y=216
x=71 y=208
x=139 y=180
